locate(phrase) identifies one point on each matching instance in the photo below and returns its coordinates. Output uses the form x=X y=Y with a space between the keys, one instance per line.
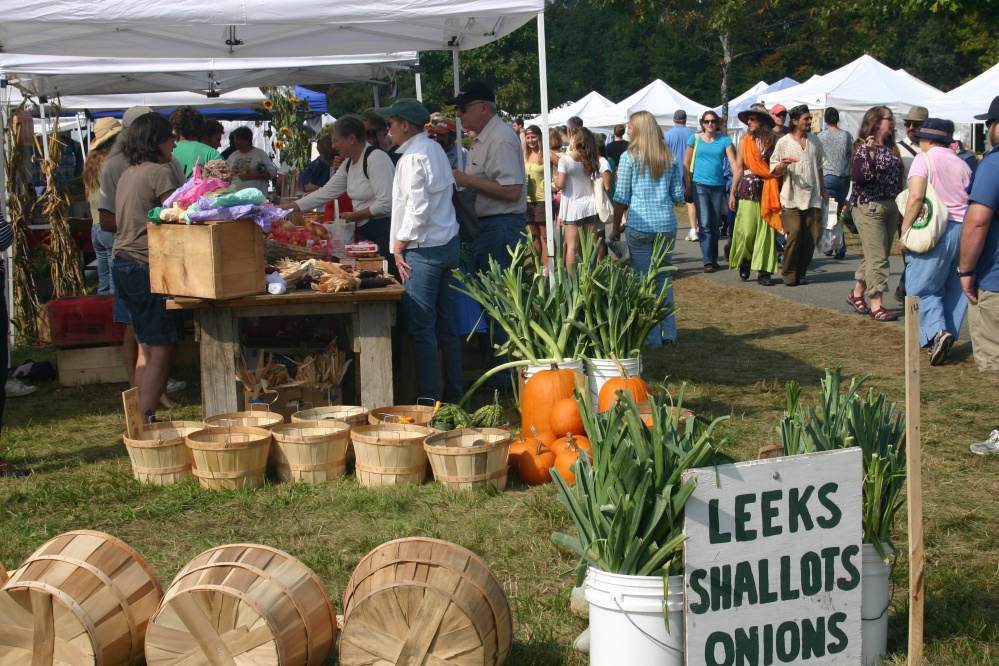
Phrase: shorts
x=152 y=322
x=589 y=219
x=120 y=311
x=536 y=212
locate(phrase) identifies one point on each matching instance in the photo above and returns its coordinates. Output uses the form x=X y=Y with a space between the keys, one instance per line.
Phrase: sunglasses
x=782 y=114
x=912 y=123
x=461 y=108
x=713 y=121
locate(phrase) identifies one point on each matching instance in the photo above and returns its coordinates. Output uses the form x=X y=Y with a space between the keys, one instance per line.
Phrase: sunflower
x=268 y=104
x=279 y=145
x=295 y=101
x=284 y=130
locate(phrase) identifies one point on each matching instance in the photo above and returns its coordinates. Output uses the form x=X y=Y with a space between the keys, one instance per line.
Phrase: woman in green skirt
x=757 y=217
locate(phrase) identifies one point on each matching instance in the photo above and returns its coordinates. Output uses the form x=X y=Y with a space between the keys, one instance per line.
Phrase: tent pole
x=457 y=120
x=45 y=127
x=546 y=144
x=83 y=141
x=419 y=78
x=374 y=89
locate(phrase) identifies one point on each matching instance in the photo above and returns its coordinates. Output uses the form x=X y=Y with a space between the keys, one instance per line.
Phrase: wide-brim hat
x=937 y=129
x=105 y=129
x=993 y=111
x=916 y=114
x=761 y=112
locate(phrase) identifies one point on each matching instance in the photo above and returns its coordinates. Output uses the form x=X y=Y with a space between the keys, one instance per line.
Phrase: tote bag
x=605 y=210
x=931 y=222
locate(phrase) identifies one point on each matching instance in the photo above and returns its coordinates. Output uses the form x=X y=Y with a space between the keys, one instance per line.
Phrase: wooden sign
x=773 y=560
x=133 y=413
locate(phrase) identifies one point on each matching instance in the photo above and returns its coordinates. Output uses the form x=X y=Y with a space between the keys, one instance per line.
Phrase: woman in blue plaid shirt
x=649 y=184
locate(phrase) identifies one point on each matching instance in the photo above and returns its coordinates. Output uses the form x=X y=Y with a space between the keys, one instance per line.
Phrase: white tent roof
x=657 y=98
x=963 y=103
x=254 y=28
x=748 y=98
x=68 y=75
x=158 y=101
x=857 y=86
x=592 y=102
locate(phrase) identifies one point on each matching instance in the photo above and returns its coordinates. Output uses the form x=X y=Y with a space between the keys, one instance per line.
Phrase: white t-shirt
x=375 y=191
x=577 y=192
x=251 y=163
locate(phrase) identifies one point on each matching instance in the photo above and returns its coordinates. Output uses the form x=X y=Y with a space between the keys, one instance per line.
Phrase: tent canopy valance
x=68 y=75
x=255 y=28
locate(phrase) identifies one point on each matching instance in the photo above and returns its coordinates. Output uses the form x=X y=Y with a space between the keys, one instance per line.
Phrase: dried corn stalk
x=67 y=280
x=321 y=371
x=268 y=375
x=25 y=306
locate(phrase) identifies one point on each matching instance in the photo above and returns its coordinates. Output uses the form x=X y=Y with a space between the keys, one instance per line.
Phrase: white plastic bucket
x=546 y=364
x=599 y=370
x=626 y=619
x=875 y=600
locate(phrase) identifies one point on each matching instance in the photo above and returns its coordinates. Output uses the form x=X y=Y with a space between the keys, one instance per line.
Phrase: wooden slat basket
x=443 y=604
x=243 y=604
x=390 y=454
x=254 y=418
x=470 y=457
x=229 y=457
x=351 y=414
x=420 y=414
x=83 y=598
x=160 y=456
x=310 y=451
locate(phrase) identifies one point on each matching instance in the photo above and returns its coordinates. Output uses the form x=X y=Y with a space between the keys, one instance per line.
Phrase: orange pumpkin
x=571 y=441
x=684 y=415
x=516 y=449
x=535 y=465
x=541 y=392
x=636 y=386
x=566 y=417
x=547 y=437
x=568 y=456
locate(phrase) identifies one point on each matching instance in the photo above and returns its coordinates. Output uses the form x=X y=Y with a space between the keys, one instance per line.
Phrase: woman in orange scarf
x=757 y=217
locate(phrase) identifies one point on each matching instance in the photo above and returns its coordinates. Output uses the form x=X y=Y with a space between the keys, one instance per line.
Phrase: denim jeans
x=838 y=187
x=933 y=277
x=640 y=245
x=429 y=308
x=152 y=322
x=103 y=242
x=711 y=207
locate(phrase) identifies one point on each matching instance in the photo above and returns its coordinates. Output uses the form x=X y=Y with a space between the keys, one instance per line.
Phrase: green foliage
x=844 y=420
x=627 y=505
x=287 y=116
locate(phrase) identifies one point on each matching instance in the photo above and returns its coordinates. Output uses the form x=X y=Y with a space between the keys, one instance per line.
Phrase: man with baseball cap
x=424 y=240
x=979 y=260
x=445 y=133
x=779 y=114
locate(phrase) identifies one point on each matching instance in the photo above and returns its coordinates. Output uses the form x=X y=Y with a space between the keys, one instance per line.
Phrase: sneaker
x=16 y=388
x=764 y=280
x=692 y=235
x=942 y=342
x=174 y=385
x=991 y=445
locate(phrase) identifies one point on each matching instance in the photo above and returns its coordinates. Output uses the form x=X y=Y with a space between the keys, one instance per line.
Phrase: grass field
x=736 y=351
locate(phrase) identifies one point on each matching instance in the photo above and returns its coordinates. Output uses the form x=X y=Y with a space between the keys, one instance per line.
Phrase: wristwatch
x=964 y=274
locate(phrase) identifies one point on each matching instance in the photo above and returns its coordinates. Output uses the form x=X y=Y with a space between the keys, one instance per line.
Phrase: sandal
x=859 y=303
x=881 y=314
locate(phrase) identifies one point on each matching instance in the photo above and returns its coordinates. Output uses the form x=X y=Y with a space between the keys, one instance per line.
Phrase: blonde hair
x=554 y=139
x=648 y=147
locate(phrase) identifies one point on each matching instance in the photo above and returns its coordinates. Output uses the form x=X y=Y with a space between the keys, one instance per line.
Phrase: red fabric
x=346 y=206
x=83 y=321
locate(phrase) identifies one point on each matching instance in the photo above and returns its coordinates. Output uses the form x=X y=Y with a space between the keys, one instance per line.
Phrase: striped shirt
x=650 y=202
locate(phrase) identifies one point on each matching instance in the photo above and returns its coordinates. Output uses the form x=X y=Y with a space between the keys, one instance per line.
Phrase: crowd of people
x=394 y=171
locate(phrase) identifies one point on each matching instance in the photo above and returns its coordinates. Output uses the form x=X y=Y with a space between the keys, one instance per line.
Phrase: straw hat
x=105 y=129
x=760 y=112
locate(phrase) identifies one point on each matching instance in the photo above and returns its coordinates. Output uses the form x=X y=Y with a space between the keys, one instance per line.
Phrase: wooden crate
x=215 y=261
x=91 y=365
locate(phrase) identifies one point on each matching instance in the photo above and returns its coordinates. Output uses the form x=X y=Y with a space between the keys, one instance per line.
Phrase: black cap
x=472 y=91
x=993 y=111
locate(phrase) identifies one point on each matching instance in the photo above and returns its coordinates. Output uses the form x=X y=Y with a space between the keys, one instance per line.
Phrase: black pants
x=377 y=231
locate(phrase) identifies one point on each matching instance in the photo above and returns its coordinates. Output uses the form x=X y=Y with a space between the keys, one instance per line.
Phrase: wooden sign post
x=772 y=561
x=133 y=413
x=913 y=453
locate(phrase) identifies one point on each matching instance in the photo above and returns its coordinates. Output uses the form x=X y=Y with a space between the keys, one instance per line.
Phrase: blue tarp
x=317 y=104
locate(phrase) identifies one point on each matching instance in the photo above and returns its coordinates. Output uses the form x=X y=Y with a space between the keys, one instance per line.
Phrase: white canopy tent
x=748 y=98
x=854 y=88
x=590 y=103
x=199 y=77
x=973 y=98
x=657 y=98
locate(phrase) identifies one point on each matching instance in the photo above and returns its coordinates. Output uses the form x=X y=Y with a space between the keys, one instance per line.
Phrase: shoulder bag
x=688 y=178
x=605 y=209
x=931 y=223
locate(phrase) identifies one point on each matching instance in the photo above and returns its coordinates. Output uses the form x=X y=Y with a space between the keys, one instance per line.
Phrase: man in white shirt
x=424 y=238
x=908 y=147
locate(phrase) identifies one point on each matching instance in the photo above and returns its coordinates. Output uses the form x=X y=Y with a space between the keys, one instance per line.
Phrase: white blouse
x=577 y=192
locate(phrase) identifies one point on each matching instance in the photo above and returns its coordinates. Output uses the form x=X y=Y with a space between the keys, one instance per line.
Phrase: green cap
x=407 y=109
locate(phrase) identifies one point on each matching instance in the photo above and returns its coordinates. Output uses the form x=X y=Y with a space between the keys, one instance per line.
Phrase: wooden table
x=371 y=314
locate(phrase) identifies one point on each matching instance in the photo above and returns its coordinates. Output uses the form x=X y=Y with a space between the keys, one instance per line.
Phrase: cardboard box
x=287 y=401
x=215 y=260
x=91 y=365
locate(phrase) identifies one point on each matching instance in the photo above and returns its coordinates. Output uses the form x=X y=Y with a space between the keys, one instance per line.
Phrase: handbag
x=931 y=223
x=605 y=210
x=688 y=178
x=464 y=211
